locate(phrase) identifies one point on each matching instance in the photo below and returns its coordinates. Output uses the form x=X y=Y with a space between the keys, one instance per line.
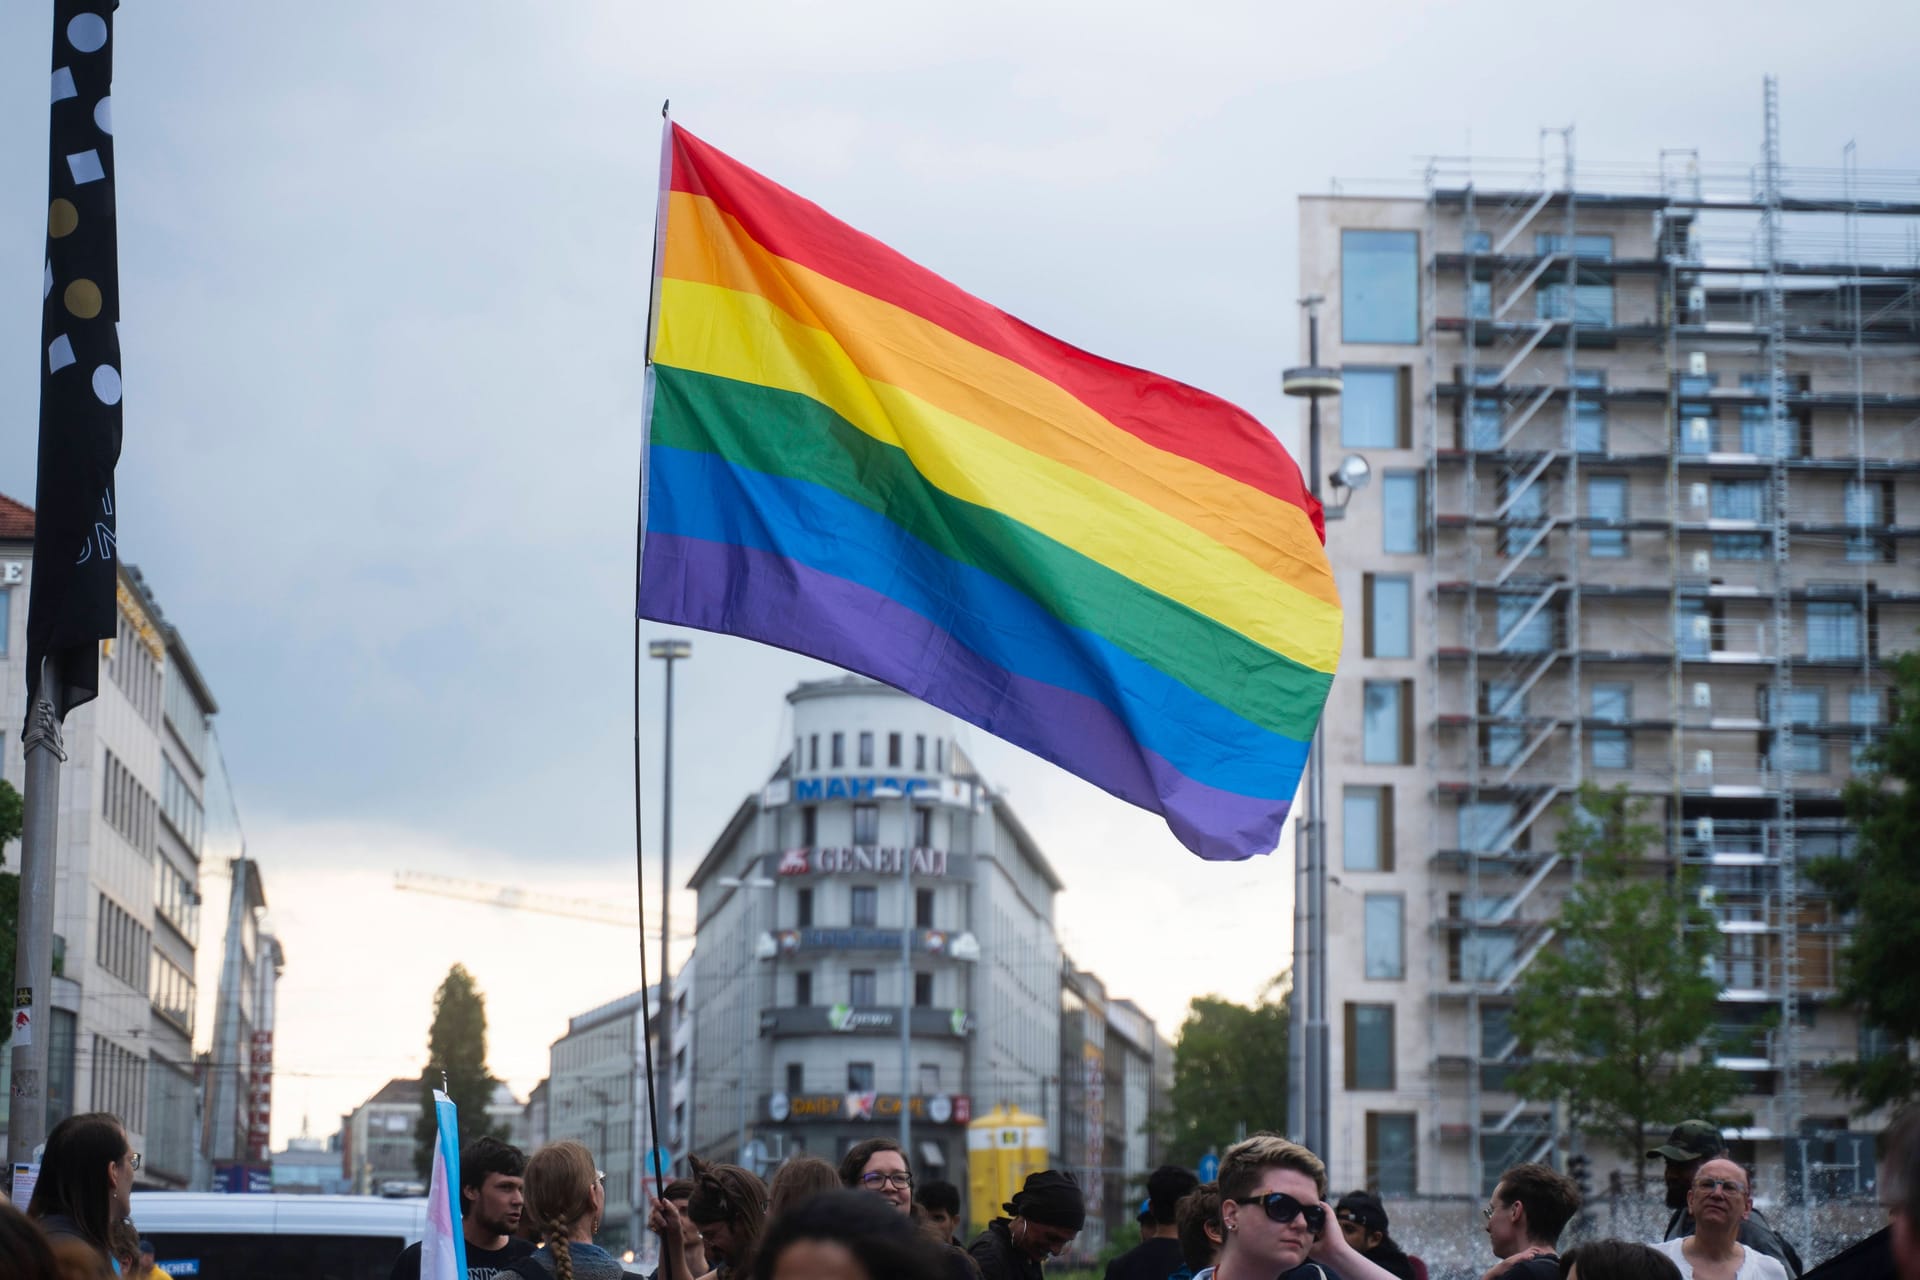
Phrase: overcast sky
x=384 y=284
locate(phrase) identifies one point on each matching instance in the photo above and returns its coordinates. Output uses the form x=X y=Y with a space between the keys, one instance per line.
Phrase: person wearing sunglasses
x=1531 y=1206
x=1044 y=1217
x=1719 y=1201
x=1278 y=1223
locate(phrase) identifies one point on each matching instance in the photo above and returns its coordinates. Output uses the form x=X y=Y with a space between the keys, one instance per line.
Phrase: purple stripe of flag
x=747 y=592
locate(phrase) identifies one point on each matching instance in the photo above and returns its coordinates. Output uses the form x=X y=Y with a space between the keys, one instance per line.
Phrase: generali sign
x=861 y=860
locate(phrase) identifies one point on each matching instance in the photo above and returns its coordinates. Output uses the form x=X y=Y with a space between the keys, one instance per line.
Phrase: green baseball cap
x=1691 y=1140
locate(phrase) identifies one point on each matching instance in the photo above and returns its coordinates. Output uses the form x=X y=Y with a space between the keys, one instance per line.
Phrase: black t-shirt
x=1545 y=1266
x=1149 y=1260
x=482 y=1264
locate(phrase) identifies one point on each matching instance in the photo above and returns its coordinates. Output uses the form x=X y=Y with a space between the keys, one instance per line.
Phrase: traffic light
x=1579 y=1168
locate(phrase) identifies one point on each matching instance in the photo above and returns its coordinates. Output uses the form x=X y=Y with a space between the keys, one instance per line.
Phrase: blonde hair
x=1241 y=1167
x=559 y=1186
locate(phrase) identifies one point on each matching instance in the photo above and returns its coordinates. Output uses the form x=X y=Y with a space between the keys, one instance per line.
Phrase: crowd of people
x=1265 y=1217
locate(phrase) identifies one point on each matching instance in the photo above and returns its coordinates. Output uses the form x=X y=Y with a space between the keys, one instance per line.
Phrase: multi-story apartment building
x=1647 y=476
x=126 y=897
x=877 y=875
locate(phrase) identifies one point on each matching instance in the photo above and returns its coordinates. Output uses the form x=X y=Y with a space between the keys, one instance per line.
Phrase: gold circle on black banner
x=83 y=299
x=62 y=218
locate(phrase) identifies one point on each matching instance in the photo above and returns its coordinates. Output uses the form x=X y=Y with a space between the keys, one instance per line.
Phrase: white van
x=287 y=1237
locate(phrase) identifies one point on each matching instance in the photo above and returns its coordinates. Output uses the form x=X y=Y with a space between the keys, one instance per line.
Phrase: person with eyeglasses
x=1531 y=1206
x=1278 y=1224
x=1719 y=1201
x=1691 y=1144
x=86 y=1181
x=879 y=1167
x=1042 y=1220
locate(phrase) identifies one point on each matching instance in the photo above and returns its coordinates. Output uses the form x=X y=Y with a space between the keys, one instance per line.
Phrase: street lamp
x=749 y=881
x=1307 y=1085
x=669 y=651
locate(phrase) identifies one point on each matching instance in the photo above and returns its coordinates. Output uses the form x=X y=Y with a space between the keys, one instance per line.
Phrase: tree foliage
x=1878 y=884
x=12 y=815
x=1229 y=1074
x=1616 y=1019
x=457 y=1046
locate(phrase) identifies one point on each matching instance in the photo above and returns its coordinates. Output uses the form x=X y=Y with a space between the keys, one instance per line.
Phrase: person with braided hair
x=564 y=1200
x=729 y=1210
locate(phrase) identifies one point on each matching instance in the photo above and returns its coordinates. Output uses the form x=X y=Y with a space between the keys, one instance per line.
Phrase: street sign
x=1209 y=1167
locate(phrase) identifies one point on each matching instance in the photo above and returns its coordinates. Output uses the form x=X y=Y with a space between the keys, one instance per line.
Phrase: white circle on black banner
x=779 y=1108
x=940 y=1108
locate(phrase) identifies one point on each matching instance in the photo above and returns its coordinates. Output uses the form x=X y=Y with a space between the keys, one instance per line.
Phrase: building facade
x=1644 y=457
x=596 y=1094
x=126 y=898
x=875 y=879
x=376 y=1141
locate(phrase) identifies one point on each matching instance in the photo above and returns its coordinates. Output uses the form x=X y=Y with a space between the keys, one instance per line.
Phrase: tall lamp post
x=669 y=651
x=1309 y=1098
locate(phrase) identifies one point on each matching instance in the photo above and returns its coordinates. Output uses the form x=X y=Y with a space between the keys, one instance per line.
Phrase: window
x=796 y=1078
x=1366 y=828
x=839 y=750
x=1481 y=826
x=1476 y=241
x=860 y=1077
x=1693 y=629
x=866 y=902
x=939 y=755
x=1522 y=628
x=862 y=989
x=1480 y=299
x=1484 y=954
x=1805 y=706
x=929 y=1078
x=1590 y=412
x=893 y=751
x=803 y=988
x=1402 y=512
x=866 y=824
x=866 y=749
x=1868 y=507
x=1392 y=1153
x=1502 y=701
x=1612 y=703
x=1741 y=546
x=803 y=908
x=809 y=826
x=1380 y=286
x=1757 y=430
x=1369 y=1046
x=1527 y=510
x=1591 y=248
x=1386 y=722
x=923 y=990
x=1388 y=623
x=1699 y=425
x=1607 y=500
x=1864 y=706
x=1496 y=1047
x=1739 y=499
x=6 y=618
x=923 y=908
x=799 y=752
x=1485 y=421
x=922 y=827
x=813 y=751
x=1591 y=299
x=1386 y=951
x=919 y=753
x=1373 y=408
x=1833 y=630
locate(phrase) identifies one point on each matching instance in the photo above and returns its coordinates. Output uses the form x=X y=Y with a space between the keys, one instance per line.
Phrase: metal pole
x=906 y=983
x=669 y=651
x=33 y=948
x=1317 y=1095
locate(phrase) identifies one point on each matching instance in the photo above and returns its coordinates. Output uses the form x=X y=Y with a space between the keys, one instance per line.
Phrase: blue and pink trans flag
x=443 y=1250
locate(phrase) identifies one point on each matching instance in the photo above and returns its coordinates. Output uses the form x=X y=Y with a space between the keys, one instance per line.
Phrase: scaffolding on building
x=1752 y=288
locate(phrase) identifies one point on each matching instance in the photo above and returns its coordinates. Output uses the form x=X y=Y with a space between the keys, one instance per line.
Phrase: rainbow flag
x=851 y=458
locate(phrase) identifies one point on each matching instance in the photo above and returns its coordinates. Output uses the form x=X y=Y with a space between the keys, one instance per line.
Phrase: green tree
x=1229 y=1073
x=1878 y=884
x=457 y=1047
x=12 y=814
x=1616 y=1020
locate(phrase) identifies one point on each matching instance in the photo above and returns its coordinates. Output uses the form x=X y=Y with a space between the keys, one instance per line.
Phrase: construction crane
x=514 y=898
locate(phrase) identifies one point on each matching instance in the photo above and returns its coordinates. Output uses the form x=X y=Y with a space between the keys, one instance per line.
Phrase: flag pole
x=33 y=949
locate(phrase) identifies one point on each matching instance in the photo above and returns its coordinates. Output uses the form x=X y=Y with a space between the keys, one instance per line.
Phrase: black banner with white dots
x=75 y=559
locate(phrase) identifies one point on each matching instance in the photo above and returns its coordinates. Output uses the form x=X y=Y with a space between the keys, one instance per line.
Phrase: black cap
x=1362 y=1207
x=1165 y=1188
x=1691 y=1140
x=1052 y=1198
